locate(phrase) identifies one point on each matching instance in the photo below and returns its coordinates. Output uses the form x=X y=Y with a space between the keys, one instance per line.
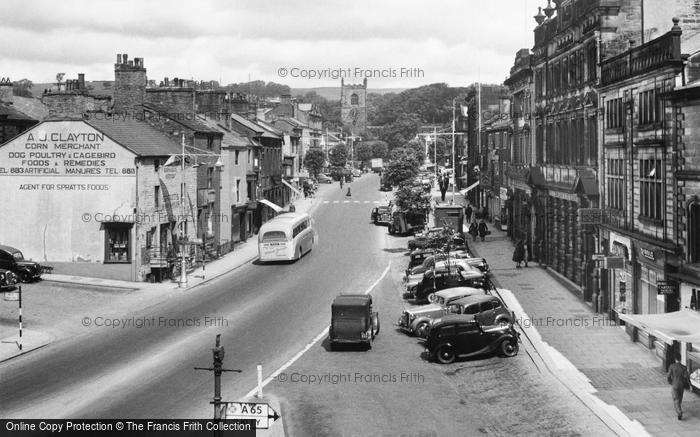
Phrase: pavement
x=242 y=254
x=621 y=381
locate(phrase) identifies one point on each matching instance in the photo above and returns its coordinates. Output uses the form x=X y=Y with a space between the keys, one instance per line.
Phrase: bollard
x=348 y=194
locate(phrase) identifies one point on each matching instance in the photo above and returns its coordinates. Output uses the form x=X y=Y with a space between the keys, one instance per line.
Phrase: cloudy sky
x=409 y=42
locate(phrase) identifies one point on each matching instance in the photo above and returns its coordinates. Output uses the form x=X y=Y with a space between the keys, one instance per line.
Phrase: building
x=353 y=107
x=94 y=197
x=12 y=120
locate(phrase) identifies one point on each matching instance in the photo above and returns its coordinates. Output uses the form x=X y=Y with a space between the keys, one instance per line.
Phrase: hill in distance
x=333 y=92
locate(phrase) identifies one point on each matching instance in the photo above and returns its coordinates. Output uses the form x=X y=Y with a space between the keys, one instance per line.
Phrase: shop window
x=117 y=242
x=236 y=156
x=616 y=184
x=694 y=232
x=651 y=195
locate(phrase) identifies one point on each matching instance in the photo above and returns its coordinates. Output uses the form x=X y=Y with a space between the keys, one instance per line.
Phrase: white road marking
x=346 y=201
x=376 y=201
x=316 y=339
x=326 y=201
x=355 y=201
x=336 y=201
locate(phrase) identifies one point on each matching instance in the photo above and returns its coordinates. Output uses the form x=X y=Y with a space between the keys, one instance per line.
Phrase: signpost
x=262 y=413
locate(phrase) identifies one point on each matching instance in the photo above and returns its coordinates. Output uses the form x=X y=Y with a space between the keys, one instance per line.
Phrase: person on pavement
x=518 y=253
x=528 y=256
x=473 y=230
x=679 y=380
x=468 y=212
x=483 y=230
x=341 y=182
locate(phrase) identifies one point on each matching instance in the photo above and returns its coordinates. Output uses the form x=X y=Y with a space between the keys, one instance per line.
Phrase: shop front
x=617 y=280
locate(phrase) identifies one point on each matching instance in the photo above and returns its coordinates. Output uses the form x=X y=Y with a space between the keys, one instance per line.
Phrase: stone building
x=353 y=107
x=12 y=121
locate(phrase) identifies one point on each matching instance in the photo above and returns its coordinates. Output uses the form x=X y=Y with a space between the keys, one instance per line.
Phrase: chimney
x=286 y=99
x=81 y=81
x=6 y=94
x=129 y=84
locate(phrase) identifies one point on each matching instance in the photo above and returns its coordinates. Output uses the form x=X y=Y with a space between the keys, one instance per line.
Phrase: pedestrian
x=527 y=257
x=679 y=380
x=444 y=182
x=473 y=230
x=483 y=229
x=341 y=182
x=518 y=253
x=468 y=212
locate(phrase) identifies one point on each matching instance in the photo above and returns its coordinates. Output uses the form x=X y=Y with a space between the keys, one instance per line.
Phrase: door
x=468 y=339
x=6 y=260
x=486 y=313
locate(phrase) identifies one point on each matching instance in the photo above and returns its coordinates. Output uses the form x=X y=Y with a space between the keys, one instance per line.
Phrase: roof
x=137 y=136
x=31 y=107
x=456 y=291
x=265 y=125
x=230 y=138
x=193 y=123
x=9 y=112
x=253 y=126
x=475 y=298
x=352 y=300
x=8 y=248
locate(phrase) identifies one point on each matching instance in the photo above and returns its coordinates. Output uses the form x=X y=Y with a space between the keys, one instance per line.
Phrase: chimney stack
x=129 y=84
x=81 y=81
x=6 y=94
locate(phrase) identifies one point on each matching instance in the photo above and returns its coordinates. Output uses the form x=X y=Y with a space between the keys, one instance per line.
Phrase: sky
x=303 y=44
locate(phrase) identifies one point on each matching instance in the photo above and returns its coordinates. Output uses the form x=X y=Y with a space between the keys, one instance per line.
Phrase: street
x=266 y=314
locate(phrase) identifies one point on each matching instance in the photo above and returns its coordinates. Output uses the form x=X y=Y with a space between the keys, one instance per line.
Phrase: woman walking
x=483 y=230
x=518 y=253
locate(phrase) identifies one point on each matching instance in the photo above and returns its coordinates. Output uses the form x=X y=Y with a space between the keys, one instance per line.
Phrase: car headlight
x=2 y=276
x=411 y=317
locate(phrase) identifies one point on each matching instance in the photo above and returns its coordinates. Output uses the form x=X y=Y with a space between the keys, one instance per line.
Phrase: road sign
x=11 y=295
x=598 y=257
x=262 y=413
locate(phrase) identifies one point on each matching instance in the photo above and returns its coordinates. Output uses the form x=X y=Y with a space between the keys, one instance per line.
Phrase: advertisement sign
x=667 y=287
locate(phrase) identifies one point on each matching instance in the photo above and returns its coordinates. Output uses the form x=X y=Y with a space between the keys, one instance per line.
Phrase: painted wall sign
x=647 y=253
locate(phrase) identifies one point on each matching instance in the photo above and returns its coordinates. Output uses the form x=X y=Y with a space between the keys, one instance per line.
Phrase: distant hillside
x=333 y=93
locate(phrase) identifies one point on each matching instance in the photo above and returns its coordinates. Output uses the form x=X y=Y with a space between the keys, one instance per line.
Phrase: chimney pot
x=119 y=59
x=125 y=58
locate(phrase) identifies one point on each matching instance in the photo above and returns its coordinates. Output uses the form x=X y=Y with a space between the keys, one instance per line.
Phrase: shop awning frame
x=682 y=326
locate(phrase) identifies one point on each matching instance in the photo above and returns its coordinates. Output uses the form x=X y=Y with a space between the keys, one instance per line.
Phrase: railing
x=638 y=60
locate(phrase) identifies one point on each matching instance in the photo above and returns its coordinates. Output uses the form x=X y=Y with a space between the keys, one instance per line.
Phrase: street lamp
x=182 y=283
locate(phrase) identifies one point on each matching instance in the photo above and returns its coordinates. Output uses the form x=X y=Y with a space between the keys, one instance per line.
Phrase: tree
x=380 y=149
x=402 y=170
x=418 y=148
x=23 y=88
x=363 y=153
x=338 y=155
x=412 y=198
x=314 y=160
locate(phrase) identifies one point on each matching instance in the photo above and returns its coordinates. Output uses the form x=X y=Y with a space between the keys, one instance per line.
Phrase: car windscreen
x=18 y=256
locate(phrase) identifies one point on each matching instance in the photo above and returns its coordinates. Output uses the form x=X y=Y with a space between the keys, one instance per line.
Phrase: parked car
x=356 y=172
x=485 y=309
x=457 y=336
x=435 y=281
x=352 y=320
x=8 y=279
x=381 y=215
x=429 y=262
x=323 y=179
x=12 y=259
x=416 y=320
x=440 y=266
x=422 y=240
x=418 y=256
x=407 y=222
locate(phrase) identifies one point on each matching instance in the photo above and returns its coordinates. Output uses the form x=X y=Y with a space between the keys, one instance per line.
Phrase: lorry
x=377 y=164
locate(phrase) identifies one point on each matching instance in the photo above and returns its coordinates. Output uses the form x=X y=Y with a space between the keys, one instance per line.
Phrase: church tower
x=353 y=107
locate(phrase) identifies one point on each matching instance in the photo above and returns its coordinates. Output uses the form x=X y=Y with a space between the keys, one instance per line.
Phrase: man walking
x=679 y=380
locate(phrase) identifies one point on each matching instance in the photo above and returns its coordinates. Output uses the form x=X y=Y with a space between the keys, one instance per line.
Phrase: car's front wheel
x=445 y=354
x=509 y=348
x=25 y=277
x=421 y=329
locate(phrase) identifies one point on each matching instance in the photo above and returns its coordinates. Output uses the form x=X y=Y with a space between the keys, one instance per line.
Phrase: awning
x=271 y=205
x=469 y=188
x=291 y=187
x=683 y=325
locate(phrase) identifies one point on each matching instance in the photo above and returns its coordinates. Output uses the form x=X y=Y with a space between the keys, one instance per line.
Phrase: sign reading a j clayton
x=51 y=178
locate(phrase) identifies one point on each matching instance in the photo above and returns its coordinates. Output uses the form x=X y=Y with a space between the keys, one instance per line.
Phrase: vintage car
x=439 y=280
x=418 y=256
x=457 y=336
x=12 y=259
x=423 y=239
x=407 y=222
x=429 y=262
x=415 y=320
x=440 y=266
x=485 y=309
x=381 y=215
x=323 y=179
x=7 y=279
x=352 y=320
x=385 y=185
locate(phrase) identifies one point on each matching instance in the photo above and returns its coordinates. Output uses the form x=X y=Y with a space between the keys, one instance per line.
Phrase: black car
x=353 y=320
x=381 y=215
x=458 y=336
x=418 y=256
x=12 y=259
x=7 y=279
x=455 y=277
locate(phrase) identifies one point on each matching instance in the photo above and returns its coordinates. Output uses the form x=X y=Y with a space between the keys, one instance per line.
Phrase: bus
x=286 y=237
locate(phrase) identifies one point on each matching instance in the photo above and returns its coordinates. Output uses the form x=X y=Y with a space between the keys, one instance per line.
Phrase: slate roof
x=255 y=127
x=9 y=112
x=192 y=122
x=231 y=138
x=137 y=136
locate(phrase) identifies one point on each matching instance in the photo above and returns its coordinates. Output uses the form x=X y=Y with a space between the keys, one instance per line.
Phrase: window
x=249 y=153
x=614 y=115
x=249 y=189
x=592 y=140
x=354 y=99
x=591 y=62
x=539 y=83
x=156 y=196
x=472 y=309
x=539 y=141
x=210 y=142
x=149 y=238
x=694 y=233
x=238 y=152
x=210 y=177
x=651 y=196
x=616 y=184
x=156 y=165
x=238 y=190
x=650 y=107
x=117 y=242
